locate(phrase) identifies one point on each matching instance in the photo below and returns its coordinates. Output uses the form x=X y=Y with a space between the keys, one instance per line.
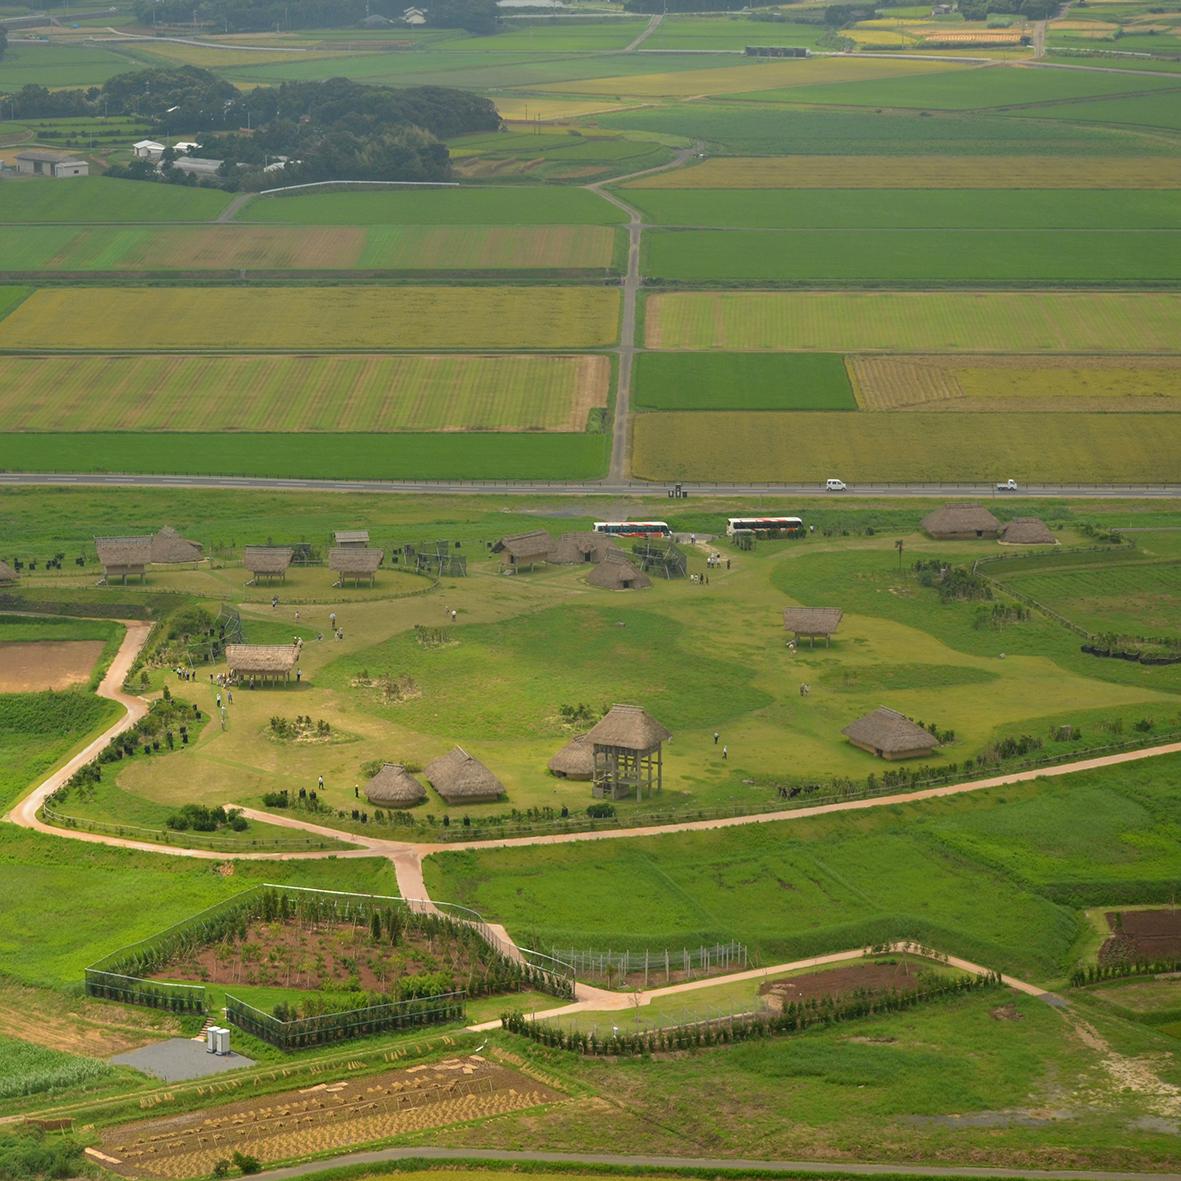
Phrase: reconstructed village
x=590 y=589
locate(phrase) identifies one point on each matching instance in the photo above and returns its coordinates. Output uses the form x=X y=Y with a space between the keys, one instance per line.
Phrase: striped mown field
x=230 y=247
x=807 y=446
x=332 y=319
x=922 y=172
x=912 y=322
x=314 y=393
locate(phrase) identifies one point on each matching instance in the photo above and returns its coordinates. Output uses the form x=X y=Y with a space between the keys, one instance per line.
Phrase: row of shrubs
x=1118 y=969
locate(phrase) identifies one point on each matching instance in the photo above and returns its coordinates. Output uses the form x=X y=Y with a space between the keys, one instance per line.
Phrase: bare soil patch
x=1142 y=935
x=47 y=664
x=875 y=977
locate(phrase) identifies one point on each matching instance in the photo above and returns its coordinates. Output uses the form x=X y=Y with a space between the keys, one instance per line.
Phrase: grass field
x=33 y=1070
x=441 y=456
x=908 y=209
x=900 y=448
x=344 y=393
x=731 y=32
x=913 y=256
x=57 y=65
x=337 y=248
x=505 y=205
x=741 y=381
x=1003 y=384
x=911 y=322
x=921 y=172
x=336 y=319
x=1161 y=111
x=95 y=198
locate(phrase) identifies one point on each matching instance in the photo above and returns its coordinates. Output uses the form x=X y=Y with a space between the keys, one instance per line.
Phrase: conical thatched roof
x=576 y=760
x=629 y=727
x=394 y=786
x=616 y=572
x=812 y=621
x=1027 y=531
x=890 y=732
x=7 y=573
x=461 y=779
x=168 y=548
x=961 y=520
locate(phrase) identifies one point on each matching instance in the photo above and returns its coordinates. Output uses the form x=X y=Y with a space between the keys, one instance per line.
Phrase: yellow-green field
x=1049 y=384
x=923 y=172
x=327 y=318
x=416 y=392
x=809 y=446
x=230 y=247
x=954 y=322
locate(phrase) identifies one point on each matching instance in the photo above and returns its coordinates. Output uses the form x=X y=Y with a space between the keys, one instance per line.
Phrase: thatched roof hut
x=7 y=573
x=461 y=779
x=123 y=556
x=576 y=760
x=1027 y=531
x=268 y=561
x=351 y=537
x=170 y=549
x=261 y=662
x=628 y=753
x=354 y=563
x=525 y=549
x=572 y=549
x=394 y=787
x=616 y=572
x=960 y=522
x=628 y=727
x=812 y=621
x=890 y=735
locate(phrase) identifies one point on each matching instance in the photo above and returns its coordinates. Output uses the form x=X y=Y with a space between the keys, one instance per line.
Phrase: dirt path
x=230 y=212
x=649 y=29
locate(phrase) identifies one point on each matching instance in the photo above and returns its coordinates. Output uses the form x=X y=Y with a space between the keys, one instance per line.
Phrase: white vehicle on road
x=1007 y=486
x=835 y=486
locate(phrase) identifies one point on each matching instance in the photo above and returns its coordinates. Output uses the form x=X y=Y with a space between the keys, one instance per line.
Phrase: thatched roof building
x=812 y=621
x=461 y=779
x=121 y=557
x=354 y=563
x=576 y=760
x=351 y=537
x=628 y=756
x=170 y=549
x=268 y=562
x=261 y=662
x=525 y=549
x=629 y=727
x=572 y=549
x=616 y=572
x=7 y=574
x=890 y=735
x=394 y=787
x=960 y=522
x=1027 y=531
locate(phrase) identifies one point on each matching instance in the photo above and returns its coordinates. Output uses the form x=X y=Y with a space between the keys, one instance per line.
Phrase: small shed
x=351 y=537
x=123 y=557
x=268 y=664
x=890 y=735
x=1027 y=531
x=147 y=149
x=7 y=574
x=461 y=779
x=267 y=563
x=42 y=162
x=573 y=549
x=170 y=549
x=812 y=622
x=627 y=748
x=576 y=760
x=524 y=549
x=961 y=522
x=355 y=564
x=394 y=787
x=616 y=572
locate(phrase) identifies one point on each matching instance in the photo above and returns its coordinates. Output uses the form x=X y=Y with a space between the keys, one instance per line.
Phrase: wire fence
x=618 y=968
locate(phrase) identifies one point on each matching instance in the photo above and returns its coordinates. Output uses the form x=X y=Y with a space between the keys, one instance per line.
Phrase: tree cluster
x=251 y=16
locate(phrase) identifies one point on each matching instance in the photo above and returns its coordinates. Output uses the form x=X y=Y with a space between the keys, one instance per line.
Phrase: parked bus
x=766 y=526
x=634 y=528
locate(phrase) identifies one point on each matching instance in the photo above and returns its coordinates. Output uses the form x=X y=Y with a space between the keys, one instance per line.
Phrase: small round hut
x=576 y=760
x=394 y=787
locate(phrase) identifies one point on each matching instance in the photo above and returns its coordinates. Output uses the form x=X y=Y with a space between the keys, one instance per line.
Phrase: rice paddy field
x=98 y=199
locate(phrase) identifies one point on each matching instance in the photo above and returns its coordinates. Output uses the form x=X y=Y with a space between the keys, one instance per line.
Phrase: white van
x=835 y=486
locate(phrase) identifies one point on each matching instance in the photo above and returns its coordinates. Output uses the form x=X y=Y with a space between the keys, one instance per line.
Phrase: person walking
x=230 y=696
x=298 y=674
x=320 y=782
x=332 y=619
x=725 y=752
x=452 y=614
x=716 y=737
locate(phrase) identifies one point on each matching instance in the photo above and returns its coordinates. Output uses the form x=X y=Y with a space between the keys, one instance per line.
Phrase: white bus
x=634 y=528
x=765 y=526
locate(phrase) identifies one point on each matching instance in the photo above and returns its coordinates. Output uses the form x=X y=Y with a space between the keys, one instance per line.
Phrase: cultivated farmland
x=336 y=319
x=910 y=322
x=98 y=199
x=345 y=393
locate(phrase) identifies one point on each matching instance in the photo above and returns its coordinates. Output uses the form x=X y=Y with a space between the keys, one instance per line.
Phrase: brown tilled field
x=329 y=1116
x=871 y=977
x=47 y=664
x=1142 y=935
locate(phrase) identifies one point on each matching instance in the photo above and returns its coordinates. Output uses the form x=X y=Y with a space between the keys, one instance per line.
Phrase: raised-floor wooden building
x=811 y=622
x=268 y=563
x=265 y=664
x=627 y=747
x=355 y=564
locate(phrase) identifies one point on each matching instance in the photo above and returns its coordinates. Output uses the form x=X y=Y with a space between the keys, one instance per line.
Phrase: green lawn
x=742 y=381
x=98 y=199
x=56 y=65
x=733 y=32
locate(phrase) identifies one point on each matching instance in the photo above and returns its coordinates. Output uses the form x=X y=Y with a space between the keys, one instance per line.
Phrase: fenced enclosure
x=618 y=969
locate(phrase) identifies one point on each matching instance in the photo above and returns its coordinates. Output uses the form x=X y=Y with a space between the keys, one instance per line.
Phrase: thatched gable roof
x=890 y=732
x=526 y=547
x=954 y=520
x=812 y=621
x=124 y=553
x=1027 y=531
x=347 y=559
x=576 y=760
x=616 y=572
x=7 y=573
x=573 y=548
x=267 y=559
x=629 y=727
x=169 y=548
x=351 y=537
x=461 y=779
x=261 y=658
x=394 y=786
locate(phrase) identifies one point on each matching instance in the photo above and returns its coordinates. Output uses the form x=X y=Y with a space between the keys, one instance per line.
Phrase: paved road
x=589 y=488
x=710 y=1165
